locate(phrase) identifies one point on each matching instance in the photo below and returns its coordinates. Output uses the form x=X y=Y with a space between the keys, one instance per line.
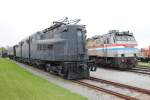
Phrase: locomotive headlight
x=122 y=60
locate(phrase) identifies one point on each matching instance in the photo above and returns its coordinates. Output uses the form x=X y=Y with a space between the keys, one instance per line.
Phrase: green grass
x=19 y=84
x=144 y=64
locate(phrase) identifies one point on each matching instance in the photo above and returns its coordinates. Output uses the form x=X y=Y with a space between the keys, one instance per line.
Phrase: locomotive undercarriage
x=144 y=59
x=68 y=70
x=121 y=63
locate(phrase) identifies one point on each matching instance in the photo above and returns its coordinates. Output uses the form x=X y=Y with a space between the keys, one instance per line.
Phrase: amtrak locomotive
x=115 y=49
x=60 y=49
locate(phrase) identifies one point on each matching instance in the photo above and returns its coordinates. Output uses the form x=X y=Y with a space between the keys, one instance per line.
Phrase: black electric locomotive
x=59 y=49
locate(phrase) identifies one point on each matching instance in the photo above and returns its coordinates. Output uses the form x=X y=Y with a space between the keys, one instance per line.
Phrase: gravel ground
x=73 y=87
x=129 y=78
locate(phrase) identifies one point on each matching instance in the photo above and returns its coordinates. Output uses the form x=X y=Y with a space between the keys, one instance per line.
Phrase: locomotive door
x=80 y=45
x=59 y=49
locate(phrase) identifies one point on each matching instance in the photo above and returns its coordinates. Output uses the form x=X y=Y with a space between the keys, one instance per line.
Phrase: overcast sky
x=20 y=18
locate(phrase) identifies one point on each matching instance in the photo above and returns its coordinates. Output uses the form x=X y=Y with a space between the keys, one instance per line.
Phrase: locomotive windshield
x=125 y=38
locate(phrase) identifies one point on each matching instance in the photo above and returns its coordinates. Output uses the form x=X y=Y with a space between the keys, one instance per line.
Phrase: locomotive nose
x=126 y=60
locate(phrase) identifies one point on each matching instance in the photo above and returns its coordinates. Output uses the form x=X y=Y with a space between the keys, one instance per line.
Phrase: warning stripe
x=112 y=45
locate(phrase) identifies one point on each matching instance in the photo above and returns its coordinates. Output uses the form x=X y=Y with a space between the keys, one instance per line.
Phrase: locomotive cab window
x=50 y=47
x=44 y=47
x=124 y=38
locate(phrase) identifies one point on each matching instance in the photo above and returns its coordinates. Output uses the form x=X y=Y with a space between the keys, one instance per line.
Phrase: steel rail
x=105 y=90
x=139 y=71
x=145 y=91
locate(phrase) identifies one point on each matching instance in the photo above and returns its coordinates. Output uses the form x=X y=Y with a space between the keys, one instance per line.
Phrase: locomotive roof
x=112 y=32
x=117 y=32
x=61 y=22
x=55 y=24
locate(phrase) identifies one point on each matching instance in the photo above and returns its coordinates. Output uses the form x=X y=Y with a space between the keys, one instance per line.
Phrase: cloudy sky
x=20 y=18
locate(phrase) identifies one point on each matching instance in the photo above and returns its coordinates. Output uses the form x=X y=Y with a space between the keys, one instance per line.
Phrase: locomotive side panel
x=62 y=46
x=25 y=49
x=18 y=51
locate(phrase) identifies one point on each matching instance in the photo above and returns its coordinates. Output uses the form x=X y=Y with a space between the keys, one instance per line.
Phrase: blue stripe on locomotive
x=117 y=49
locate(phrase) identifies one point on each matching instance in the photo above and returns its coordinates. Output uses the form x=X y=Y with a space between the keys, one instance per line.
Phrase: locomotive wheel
x=47 y=67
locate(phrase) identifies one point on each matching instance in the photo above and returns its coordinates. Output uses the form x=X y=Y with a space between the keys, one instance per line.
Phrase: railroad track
x=142 y=70
x=142 y=67
x=120 y=95
x=117 y=85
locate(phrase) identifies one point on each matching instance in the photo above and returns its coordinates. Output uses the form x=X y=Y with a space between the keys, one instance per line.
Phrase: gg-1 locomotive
x=59 y=49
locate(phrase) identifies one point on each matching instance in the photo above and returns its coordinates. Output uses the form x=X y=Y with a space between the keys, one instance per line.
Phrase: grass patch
x=144 y=64
x=18 y=84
